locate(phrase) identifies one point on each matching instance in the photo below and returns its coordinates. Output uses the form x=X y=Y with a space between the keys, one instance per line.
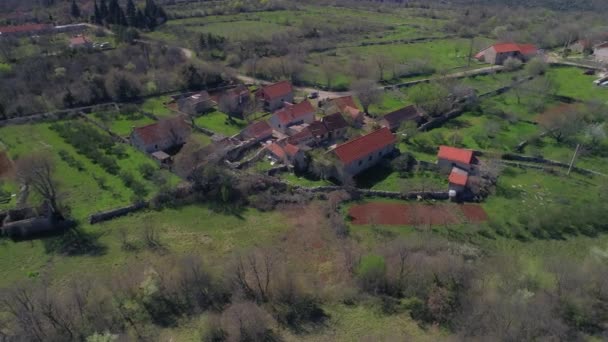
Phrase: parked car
x=313 y=95
x=604 y=84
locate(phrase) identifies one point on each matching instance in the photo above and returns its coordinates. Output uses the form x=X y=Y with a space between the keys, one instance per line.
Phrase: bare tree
x=383 y=62
x=368 y=93
x=37 y=170
x=330 y=71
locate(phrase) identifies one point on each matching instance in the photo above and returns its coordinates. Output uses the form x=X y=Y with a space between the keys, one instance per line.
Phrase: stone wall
x=118 y=212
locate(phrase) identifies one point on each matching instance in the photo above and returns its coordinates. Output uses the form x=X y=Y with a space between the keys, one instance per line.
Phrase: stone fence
x=437 y=195
x=540 y=160
x=118 y=212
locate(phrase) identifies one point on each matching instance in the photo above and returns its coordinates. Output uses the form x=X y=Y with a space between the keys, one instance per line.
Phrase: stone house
x=233 y=101
x=364 y=152
x=395 y=119
x=287 y=154
x=195 y=104
x=600 y=52
x=319 y=131
x=302 y=138
x=162 y=135
x=450 y=157
x=292 y=114
x=336 y=125
x=347 y=106
x=581 y=46
x=275 y=95
x=458 y=180
x=499 y=53
x=259 y=131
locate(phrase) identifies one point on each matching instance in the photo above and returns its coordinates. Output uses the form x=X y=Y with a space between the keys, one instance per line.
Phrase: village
x=281 y=171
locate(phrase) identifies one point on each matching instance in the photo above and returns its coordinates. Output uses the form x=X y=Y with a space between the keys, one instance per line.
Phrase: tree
x=433 y=98
x=97 y=16
x=37 y=170
x=75 y=10
x=383 y=62
x=103 y=10
x=561 y=124
x=409 y=129
x=512 y=64
x=131 y=13
x=330 y=71
x=536 y=67
x=404 y=164
x=367 y=92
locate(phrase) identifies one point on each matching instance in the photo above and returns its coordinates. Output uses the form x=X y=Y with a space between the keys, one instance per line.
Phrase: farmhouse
x=195 y=104
x=161 y=136
x=457 y=181
x=292 y=114
x=275 y=95
x=600 y=52
x=347 y=106
x=450 y=157
x=259 y=131
x=499 y=53
x=80 y=42
x=364 y=152
x=235 y=99
x=395 y=119
x=287 y=154
x=336 y=125
x=24 y=30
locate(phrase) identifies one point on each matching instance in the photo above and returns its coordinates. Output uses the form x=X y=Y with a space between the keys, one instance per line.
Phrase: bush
x=147 y=171
x=404 y=164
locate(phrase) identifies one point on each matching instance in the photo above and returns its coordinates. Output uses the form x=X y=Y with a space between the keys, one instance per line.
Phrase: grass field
x=79 y=189
x=123 y=124
x=573 y=83
x=156 y=106
x=219 y=122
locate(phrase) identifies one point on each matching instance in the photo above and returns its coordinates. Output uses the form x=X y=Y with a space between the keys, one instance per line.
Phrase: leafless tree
x=367 y=92
x=37 y=170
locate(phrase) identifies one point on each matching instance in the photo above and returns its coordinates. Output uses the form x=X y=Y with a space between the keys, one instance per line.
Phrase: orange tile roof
x=259 y=130
x=277 y=90
x=458 y=177
x=513 y=47
x=276 y=150
x=160 y=130
x=455 y=154
x=361 y=147
x=294 y=112
x=291 y=150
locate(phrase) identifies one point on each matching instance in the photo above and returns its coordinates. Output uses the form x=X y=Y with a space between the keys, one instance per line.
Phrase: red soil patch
x=414 y=214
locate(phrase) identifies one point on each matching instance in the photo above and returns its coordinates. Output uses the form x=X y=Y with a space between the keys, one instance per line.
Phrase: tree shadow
x=374 y=175
x=74 y=241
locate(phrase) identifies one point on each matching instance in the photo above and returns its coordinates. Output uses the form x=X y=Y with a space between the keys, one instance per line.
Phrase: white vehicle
x=601 y=80
x=604 y=84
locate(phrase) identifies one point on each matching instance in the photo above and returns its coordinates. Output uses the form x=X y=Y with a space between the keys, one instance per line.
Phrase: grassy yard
x=303 y=180
x=156 y=106
x=219 y=122
x=87 y=191
x=123 y=124
x=574 y=83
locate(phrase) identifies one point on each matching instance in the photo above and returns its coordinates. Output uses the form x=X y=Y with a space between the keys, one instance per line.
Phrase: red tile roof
x=361 y=147
x=525 y=49
x=24 y=28
x=343 y=102
x=300 y=137
x=291 y=150
x=295 y=112
x=334 y=122
x=458 y=177
x=277 y=90
x=276 y=150
x=317 y=128
x=258 y=130
x=455 y=154
x=159 y=131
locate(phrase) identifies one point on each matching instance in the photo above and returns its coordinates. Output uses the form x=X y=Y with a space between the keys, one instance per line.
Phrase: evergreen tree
x=103 y=10
x=97 y=18
x=116 y=15
x=131 y=14
x=140 y=20
x=74 y=10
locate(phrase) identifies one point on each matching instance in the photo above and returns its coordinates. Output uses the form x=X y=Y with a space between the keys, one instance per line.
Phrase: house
x=80 y=42
x=457 y=181
x=318 y=131
x=499 y=53
x=195 y=104
x=347 y=106
x=302 y=138
x=259 y=131
x=234 y=100
x=162 y=135
x=450 y=157
x=600 y=52
x=364 y=152
x=292 y=114
x=395 y=119
x=24 y=30
x=275 y=95
x=581 y=45
x=336 y=125
x=287 y=154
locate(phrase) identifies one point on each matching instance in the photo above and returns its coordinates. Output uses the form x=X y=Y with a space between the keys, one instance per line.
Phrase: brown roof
x=317 y=128
x=299 y=137
x=455 y=154
x=276 y=150
x=408 y=113
x=291 y=150
x=458 y=176
x=276 y=90
x=343 y=102
x=158 y=131
x=292 y=113
x=361 y=147
x=24 y=28
x=334 y=122
x=259 y=130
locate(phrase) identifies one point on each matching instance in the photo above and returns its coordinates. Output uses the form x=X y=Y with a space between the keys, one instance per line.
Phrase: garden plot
x=399 y=214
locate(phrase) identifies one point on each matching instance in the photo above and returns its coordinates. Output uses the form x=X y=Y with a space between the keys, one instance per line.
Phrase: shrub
x=404 y=164
x=147 y=171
